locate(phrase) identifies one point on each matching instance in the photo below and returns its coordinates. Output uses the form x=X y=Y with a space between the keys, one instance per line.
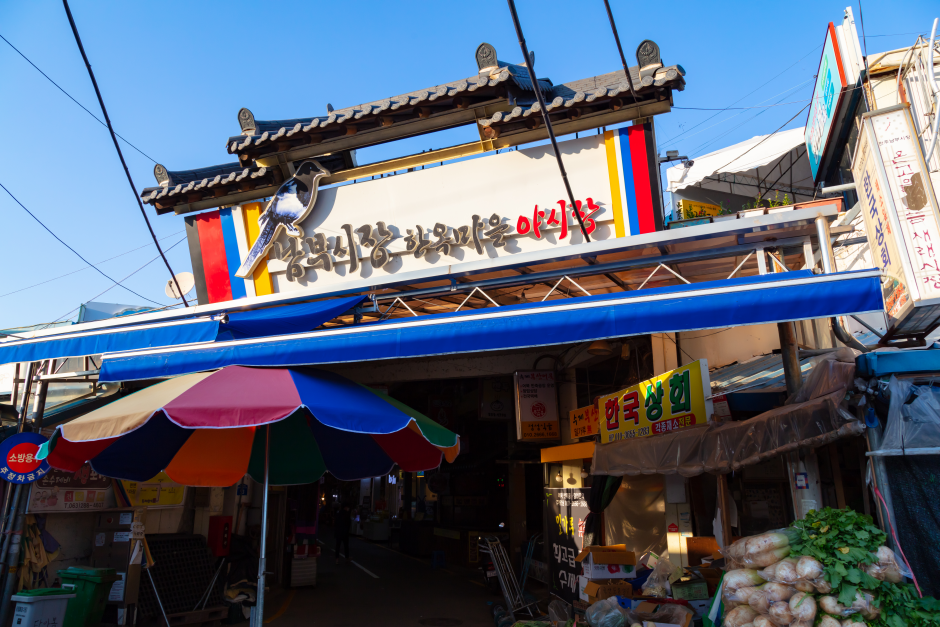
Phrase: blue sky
x=174 y=74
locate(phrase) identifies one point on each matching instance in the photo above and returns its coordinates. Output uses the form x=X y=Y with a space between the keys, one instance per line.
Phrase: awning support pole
x=791 y=357
x=262 y=564
x=723 y=511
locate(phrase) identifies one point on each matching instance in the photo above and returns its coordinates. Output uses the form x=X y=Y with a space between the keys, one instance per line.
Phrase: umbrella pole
x=259 y=605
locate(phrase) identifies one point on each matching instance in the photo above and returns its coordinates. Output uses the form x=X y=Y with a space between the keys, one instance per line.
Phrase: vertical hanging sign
x=536 y=405
x=901 y=213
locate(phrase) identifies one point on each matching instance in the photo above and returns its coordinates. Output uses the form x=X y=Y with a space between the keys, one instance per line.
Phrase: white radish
x=762 y=560
x=780 y=613
x=828 y=621
x=740 y=616
x=765 y=542
x=853 y=622
x=864 y=604
x=759 y=602
x=822 y=586
x=803 y=607
x=778 y=592
x=742 y=577
x=736 y=550
x=804 y=586
x=785 y=571
x=763 y=621
x=809 y=568
x=831 y=605
x=802 y=623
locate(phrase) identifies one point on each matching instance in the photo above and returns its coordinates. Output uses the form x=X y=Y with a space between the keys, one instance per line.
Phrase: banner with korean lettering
x=881 y=231
x=565 y=510
x=673 y=400
x=536 y=405
x=583 y=422
x=62 y=491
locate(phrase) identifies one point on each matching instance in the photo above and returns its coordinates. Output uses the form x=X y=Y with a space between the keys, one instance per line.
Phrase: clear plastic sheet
x=731 y=446
x=914 y=424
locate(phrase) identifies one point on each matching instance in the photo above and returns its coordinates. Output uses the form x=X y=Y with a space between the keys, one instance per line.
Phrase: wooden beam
x=724 y=511
x=351 y=129
x=490 y=132
x=836 y=474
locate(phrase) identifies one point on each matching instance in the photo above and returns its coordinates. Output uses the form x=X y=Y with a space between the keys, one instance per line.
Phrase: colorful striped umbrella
x=202 y=429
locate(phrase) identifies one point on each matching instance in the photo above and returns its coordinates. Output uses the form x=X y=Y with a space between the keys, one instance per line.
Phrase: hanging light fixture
x=601 y=347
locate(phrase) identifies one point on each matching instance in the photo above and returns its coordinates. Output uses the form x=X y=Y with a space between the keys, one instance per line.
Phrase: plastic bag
x=667 y=613
x=803 y=608
x=887 y=566
x=606 y=613
x=558 y=612
x=760 y=551
x=739 y=616
x=656 y=584
x=770 y=593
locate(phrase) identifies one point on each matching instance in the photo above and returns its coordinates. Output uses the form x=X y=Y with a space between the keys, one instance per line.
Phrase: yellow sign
x=161 y=491
x=690 y=209
x=671 y=401
x=583 y=421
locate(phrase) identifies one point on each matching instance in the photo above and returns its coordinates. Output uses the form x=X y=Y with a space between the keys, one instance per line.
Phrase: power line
x=782 y=104
x=112 y=287
x=62 y=276
x=117 y=147
x=673 y=138
x=77 y=254
x=73 y=99
x=762 y=141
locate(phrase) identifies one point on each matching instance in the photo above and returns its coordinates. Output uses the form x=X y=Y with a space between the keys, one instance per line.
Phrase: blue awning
x=753 y=300
x=74 y=341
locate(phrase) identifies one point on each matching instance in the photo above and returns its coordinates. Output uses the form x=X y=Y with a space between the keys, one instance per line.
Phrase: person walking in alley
x=341 y=530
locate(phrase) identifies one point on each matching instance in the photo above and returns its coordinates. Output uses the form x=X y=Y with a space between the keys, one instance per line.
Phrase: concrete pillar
x=664 y=352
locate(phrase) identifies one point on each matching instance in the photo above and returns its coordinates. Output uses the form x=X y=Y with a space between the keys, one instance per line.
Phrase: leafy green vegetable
x=845 y=542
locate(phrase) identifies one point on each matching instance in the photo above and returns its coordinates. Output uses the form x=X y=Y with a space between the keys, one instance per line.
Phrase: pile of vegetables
x=830 y=569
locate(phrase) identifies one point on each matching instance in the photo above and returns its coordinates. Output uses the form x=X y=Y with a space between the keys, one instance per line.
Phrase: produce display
x=831 y=569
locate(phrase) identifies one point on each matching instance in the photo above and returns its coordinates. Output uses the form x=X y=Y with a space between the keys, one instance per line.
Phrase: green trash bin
x=91 y=587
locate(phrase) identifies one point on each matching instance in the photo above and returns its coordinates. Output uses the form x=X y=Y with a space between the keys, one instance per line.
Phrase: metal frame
x=512 y=592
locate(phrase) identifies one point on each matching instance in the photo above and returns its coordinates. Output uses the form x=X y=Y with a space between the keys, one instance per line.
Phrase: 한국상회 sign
x=668 y=402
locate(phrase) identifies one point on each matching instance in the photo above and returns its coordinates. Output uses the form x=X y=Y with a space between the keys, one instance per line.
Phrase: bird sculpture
x=291 y=204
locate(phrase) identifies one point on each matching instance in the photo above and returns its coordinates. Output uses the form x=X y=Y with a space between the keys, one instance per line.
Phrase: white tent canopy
x=764 y=165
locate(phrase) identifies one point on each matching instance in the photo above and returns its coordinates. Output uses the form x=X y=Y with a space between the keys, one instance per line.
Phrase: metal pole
x=791 y=357
x=10 y=507
x=262 y=565
x=545 y=117
x=6 y=538
x=157 y=594
x=825 y=244
x=623 y=59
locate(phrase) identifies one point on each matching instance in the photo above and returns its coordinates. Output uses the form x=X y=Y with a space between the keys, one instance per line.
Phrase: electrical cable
x=673 y=138
x=77 y=254
x=112 y=287
x=782 y=104
x=62 y=276
x=763 y=140
x=117 y=146
x=73 y=99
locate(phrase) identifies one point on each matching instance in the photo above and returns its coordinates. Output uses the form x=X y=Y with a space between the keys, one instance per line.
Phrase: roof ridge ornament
x=647 y=56
x=486 y=57
x=246 y=120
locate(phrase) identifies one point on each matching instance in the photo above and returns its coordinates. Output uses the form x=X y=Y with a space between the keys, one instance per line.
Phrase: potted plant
x=724 y=214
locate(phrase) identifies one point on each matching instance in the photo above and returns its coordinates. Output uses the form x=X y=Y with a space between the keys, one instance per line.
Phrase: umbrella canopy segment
x=203 y=429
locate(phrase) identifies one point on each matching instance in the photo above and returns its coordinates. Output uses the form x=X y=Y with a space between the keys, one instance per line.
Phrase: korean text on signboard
x=671 y=401
x=910 y=189
x=583 y=421
x=829 y=83
x=882 y=235
x=536 y=405
x=62 y=491
x=565 y=511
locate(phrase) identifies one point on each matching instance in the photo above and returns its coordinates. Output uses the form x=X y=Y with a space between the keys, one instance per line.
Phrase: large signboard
x=565 y=510
x=467 y=216
x=830 y=80
x=901 y=214
x=671 y=401
x=582 y=422
x=61 y=491
x=161 y=491
x=536 y=405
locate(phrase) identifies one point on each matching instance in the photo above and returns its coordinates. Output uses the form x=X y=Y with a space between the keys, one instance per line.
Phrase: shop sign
x=583 y=421
x=61 y=491
x=441 y=411
x=830 y=80
x=900 y=208
x=565 y=511
x=691 y=209
x=536 y=405
x=18 y=455
x=671 y=401
x=161 y=491
x=496 y=398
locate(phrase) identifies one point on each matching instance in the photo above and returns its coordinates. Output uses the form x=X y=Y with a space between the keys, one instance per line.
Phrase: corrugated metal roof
x=761 y=374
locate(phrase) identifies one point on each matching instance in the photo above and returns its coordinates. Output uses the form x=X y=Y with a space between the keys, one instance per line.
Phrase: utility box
x=219 y=538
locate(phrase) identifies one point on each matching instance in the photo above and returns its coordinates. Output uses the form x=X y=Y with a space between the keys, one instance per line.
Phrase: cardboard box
x=600 y=590
x=607 y=562
x=650 y=608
